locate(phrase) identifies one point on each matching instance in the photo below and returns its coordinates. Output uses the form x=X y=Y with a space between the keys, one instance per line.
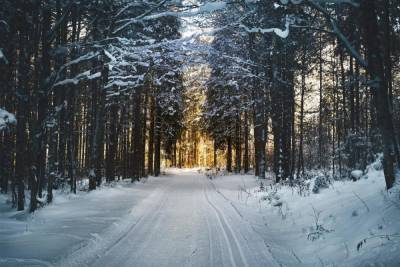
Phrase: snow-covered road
x=184 y=219
x=182 y=222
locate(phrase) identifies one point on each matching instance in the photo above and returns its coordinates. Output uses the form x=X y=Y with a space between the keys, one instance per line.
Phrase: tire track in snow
x=143 y=237
x=210 y=243
x=227 y=231
x=89 y=252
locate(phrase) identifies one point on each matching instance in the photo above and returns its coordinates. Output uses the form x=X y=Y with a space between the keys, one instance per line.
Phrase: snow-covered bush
x=302 y=186
x=375 y=167
x=377 y=164
x=320 y=182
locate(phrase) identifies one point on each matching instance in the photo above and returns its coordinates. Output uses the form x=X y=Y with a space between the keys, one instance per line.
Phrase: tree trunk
x=144 y=133
x=259 y=132
x=229 y=154
x=113 y=142
x=320 y=138
x=300 y=162
x=246 y=143
x=238 y=145
x=150 y=155
x=215 y=149
x=22 y=111
x=137 y=137
x=379 y=87
x=157 y=141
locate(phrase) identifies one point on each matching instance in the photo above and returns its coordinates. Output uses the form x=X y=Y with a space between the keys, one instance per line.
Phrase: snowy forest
x=199 y=133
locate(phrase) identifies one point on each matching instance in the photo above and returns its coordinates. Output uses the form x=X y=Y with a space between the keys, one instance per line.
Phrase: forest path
x=184 y=221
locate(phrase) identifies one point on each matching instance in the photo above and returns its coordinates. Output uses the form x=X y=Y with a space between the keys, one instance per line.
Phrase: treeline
x=94 y=94
x=96 y=89
x=320 y=92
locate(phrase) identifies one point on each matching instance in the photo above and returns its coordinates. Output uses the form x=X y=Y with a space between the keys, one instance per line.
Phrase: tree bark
x=150 y=155
x=113 y=142
x=238 y=145
x=246 y=164
x=229 y=154
x=379 y=88
x=157 y=141
x=137 y=138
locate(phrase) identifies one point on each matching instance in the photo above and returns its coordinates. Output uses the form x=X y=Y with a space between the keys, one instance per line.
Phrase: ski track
x=187 y=222
x=148 y=232
x=227 y=232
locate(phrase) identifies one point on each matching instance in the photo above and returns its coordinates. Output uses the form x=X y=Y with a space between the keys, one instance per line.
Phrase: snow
x=6 y=119
x=3 y=57
x=349 y=213
x=357 y=174
x=206 y=8
x=78 y=78
x=83 y=58
x=210 y=7
x=111 y=57
x=281 y=33
x=67 y=224
x=133 y=81
x=175 y=220
x=186 y=219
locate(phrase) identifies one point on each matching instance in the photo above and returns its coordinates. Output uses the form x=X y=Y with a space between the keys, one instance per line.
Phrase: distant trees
x=227 y=109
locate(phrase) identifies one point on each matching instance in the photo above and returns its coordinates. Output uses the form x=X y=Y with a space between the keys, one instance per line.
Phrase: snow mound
x=6 y=119
x=356 y=174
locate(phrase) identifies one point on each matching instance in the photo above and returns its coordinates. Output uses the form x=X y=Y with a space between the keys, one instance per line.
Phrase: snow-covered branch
x=342 y=38
x=84 y=76
x=206 y=8
x=3 y=57
x=281 y=33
